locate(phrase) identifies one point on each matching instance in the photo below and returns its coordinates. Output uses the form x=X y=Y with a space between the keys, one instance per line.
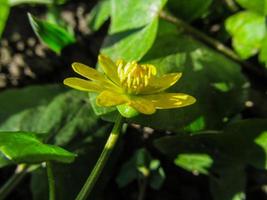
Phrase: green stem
x=14 y=180
x=211 y=42
x=51 y=181
x=95 y=173
x=202 y=36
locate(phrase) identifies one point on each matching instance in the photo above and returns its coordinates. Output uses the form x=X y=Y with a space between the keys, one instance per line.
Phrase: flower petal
x=159 y=84
x=108 y=98
x=110 y=68
x=170 y=100
x=142 y=105
x=88 y=72
x=84 y=85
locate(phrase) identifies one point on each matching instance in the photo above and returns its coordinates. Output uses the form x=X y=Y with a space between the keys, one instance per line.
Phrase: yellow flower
x=129 y=83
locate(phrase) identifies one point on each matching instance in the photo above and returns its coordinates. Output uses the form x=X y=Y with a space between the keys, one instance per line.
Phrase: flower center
x=133 y=76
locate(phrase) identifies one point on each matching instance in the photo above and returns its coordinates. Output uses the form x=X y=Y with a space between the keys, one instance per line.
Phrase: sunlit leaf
x=26 y=147
x=133 y=14
x=246 y=42
x=55 y=37
x=4 y=12
x=259 y=6
x=99 y=14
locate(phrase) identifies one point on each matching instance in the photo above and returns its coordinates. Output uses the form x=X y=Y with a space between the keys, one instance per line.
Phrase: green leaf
x=99 y=14
x=228 y=184
x=196 y=163
x=134 y=14
x=246 y=42
x=259 y=6
x=229 y=152
x=189 y=10
x=131 y=44
x=4 y=12
x=26 y=147
x=17 y=101
x=263 y=52
x=4 y=161
x=55 y=37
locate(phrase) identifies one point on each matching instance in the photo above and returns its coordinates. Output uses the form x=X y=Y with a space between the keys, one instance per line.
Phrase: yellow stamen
x=134 y=77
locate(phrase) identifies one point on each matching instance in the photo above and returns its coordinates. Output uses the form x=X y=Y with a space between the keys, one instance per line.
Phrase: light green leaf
x=19 y=2
x=134 y=14
x=196 y=163
x=4 y=12
x=26 y=147
x=246 y=42
x=259 y=6
x=189 y=10
x=263 y=52
x=131 y=44
x=99 y=14
x=55 y=37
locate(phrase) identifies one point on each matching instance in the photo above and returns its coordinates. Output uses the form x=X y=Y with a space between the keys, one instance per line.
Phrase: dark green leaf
x=246 y=42
x=26 y=147
x=99 y=14
x=228 y=152
x=189 y=10
x=17 y=101
x=55 y=37
x=229 y=184
x=4 y=12
x=141 y=166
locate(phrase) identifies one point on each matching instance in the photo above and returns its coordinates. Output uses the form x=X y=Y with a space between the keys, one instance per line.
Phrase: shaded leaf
x=141 y=166
x=230 y=151
x=189 y=10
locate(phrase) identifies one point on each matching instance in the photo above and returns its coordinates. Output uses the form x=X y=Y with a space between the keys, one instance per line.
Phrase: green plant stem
x=211 y=42
x=14 y=180
x=102 y=160
x=51 y=181
x=202 y=36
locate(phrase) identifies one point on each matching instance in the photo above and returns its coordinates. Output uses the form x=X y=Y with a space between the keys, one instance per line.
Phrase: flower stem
x=51 y=181
x=95 y=173
x=14 y=180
